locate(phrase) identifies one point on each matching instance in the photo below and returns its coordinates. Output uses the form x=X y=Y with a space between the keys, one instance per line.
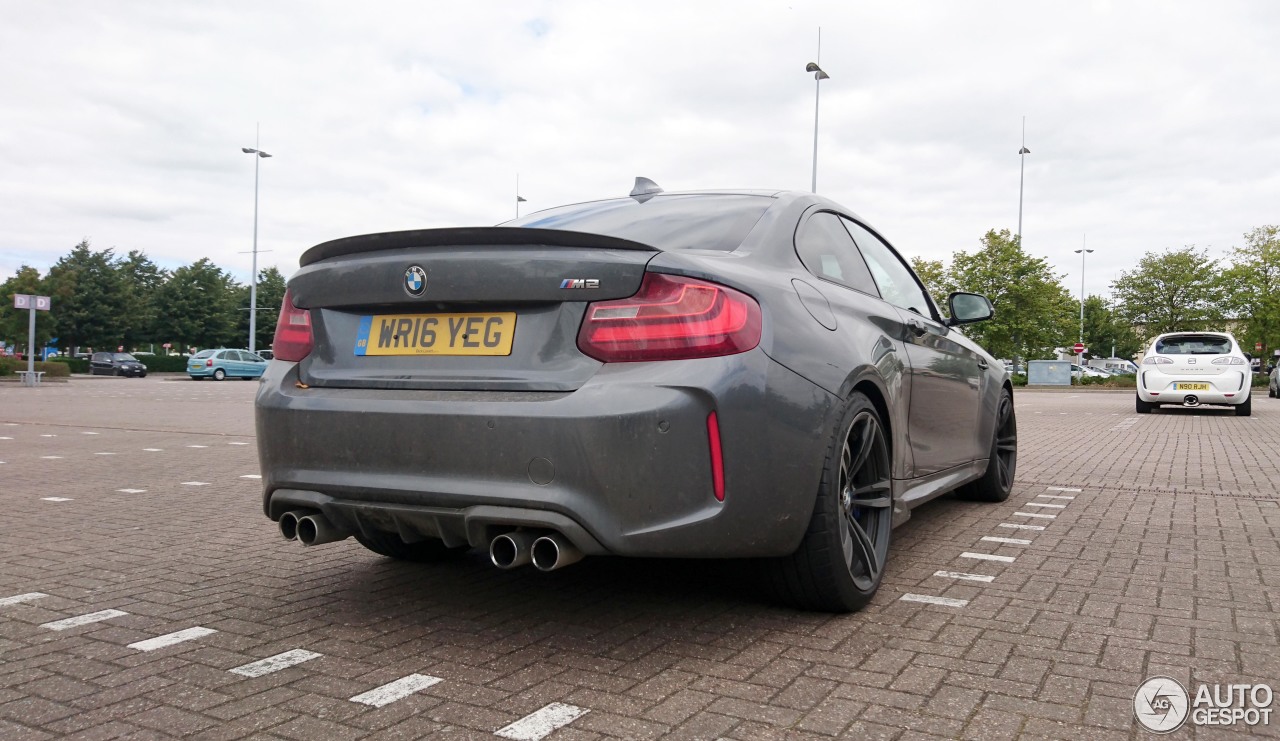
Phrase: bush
x=164 y=363
x=77 y=365
x=1114 y=382
x=51 y=370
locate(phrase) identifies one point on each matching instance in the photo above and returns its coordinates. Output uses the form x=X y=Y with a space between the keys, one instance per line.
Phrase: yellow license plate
x=1190 y=387
x=436 y=334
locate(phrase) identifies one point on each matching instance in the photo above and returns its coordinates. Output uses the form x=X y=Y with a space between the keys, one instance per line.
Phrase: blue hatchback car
x=220 y=364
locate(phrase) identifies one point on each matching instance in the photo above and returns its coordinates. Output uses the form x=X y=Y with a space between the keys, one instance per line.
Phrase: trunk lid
x=495 y=308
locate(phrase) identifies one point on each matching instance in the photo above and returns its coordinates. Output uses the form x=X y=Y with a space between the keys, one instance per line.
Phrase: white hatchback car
x=1195 y=368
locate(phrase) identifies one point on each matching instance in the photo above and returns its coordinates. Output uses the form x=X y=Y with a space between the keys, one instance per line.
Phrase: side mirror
x=967 y=308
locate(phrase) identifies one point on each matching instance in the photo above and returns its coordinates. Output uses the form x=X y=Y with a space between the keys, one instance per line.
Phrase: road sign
x=1257 y=346
x=1078 y=348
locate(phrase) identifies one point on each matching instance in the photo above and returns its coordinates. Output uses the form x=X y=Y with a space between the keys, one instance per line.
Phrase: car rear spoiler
x=466 y=236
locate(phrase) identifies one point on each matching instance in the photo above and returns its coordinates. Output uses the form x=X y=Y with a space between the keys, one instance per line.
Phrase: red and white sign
x=1257 y=346
x=1078 y=348
x=119 y=348
x=166 y=346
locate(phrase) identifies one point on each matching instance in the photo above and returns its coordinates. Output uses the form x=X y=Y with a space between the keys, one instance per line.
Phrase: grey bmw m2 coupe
x=728 y=374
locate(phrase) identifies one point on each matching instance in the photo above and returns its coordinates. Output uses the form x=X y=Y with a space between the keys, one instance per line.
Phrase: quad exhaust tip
x=554 y=551
x=289 y=523
x=310 y=528
x=512 y=549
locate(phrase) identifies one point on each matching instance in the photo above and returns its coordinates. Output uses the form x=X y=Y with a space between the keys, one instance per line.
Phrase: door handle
x=917 y=328
x=982 y=364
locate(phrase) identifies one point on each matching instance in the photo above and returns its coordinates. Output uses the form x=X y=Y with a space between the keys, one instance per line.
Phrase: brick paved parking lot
x=144 y=595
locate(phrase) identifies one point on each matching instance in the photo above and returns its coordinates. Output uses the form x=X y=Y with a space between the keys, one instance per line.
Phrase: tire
x=996 y=484
x=1142 y=407
x=219 y=374
x=391 y=546
x=841 y=560
x=1271 y=391
x=1245 y=409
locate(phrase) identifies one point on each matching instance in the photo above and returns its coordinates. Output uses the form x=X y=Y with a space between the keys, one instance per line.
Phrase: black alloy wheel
x=997 y=483
x=841 y=560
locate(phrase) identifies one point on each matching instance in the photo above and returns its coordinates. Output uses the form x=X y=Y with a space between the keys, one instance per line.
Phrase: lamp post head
x=258 y=152
x=1079 y=251
x=818 y=74
x=1024 y=150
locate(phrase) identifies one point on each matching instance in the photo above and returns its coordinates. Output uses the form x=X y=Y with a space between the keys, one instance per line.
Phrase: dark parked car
x=116 y=364
x=722 y=374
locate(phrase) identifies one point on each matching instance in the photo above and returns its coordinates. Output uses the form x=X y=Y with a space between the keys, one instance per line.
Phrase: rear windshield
x=1194 y=344
x=674 y=222
x=204 y=354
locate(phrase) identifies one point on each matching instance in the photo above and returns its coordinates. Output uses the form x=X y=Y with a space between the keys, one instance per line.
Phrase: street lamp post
x=253 y=279
x=818 y=77
x=1082 y=252
x=1022 y=158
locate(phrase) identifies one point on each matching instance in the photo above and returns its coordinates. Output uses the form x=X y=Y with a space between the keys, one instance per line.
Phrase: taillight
x=1227 y=360
x=1157 y=360
x=670 y=318
x=209 y=363
x=293 y=331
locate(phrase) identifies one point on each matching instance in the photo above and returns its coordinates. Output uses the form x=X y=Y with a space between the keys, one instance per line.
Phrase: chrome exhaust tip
x=512 y=549
x=1191 y=400
x=289 y=523
x=554 y=551
x=316 y=529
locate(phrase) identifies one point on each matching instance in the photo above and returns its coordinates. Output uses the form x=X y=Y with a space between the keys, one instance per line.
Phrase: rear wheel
x=997 y=482
x=1245 y=409
x=1143 y=407
x=219 y=374
x=391 y=546
x=841 y=561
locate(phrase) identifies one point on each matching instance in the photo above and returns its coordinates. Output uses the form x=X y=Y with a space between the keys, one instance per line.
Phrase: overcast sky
x=1151 y=125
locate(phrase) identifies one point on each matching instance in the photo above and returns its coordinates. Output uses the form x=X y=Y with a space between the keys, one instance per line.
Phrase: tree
x=935 y=278
x=1034 y=312
x=271 y=286
x=142 y=280
x=199 y=307
x=1105 y=330
x=15 y=323
x=88 y=299
x=1254 y=297
x=1173 y=291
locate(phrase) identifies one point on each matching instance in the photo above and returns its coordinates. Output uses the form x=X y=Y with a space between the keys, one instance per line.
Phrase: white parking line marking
x=131 y=491
x=170 y=639
x=1035 y=514
x=88 y=433
x=251 y=476
x=57 y=499
x=195 y=483
x=399 y=689
x=967 y=577
x=988 y=557
x=1049 y=506
x=6 y=438
x=77 y=621
x=931 y=600
x=275 y=663
x=104 y=453
x=237 y=443
x=1016 y=526
x=51 y=457
x=1061 y=488
x=153 y=450
x=541 y=723
x=197 y=446
x=1052 y=496
x=18 y=599
x=1011 y=541
x=48 y=436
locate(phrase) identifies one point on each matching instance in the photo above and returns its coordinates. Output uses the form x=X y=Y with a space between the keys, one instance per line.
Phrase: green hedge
x=77 y=365
x=8 y=366
x=164 y=363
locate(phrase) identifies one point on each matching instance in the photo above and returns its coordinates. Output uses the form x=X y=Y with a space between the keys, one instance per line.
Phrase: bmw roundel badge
x=415 y=280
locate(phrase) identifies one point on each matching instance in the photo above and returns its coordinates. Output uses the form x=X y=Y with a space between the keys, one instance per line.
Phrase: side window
x=897 y=283
x=101 y=357
x=828 y=252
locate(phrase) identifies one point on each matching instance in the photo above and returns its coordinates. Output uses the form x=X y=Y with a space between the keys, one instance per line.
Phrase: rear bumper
x=1228 y=388
x=621 y=465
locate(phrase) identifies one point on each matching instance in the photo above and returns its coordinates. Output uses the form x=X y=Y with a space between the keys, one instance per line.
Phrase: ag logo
x=1161 y=704
x=415 y=280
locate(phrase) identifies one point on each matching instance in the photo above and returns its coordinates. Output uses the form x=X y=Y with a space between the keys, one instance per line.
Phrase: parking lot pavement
x=144 y=595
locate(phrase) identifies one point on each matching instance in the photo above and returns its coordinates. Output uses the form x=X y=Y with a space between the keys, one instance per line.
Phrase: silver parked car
x=714 y=374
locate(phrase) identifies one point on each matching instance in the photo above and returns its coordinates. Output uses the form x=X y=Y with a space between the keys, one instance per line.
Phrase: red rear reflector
x=208 y=363
x=671 y=318
x=717 y=457
x=293 y=331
